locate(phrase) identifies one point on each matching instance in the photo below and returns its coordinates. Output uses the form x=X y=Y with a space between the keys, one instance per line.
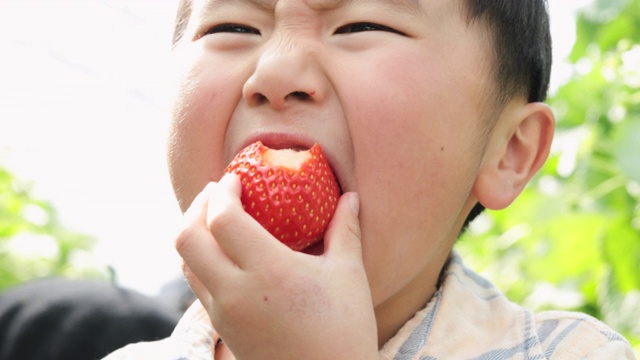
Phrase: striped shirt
x=467 y=318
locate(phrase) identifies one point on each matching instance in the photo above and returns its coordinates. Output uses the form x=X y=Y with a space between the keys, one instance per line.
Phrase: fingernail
x=226 y=178
x=231 y=181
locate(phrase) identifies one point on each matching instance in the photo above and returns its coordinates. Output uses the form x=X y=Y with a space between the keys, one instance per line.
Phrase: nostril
x=301 y=95
x=259 y=99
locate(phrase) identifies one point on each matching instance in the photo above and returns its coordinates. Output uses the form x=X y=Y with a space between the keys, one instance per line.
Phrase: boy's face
x=397 y=110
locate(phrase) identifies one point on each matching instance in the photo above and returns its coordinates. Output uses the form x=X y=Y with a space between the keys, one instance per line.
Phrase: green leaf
x=622 y=251
x=627 y=148
x=572 y=251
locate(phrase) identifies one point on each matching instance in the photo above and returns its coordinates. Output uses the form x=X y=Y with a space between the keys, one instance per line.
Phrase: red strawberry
x=293 y=194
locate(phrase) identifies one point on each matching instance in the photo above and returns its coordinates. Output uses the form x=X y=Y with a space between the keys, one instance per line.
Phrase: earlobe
x=519 y=147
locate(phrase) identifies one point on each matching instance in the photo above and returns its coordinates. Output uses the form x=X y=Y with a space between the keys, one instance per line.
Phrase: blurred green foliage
x=572 y=240
x=33 y=242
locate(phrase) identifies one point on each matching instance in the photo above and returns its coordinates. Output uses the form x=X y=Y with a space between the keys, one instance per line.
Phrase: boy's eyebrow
x=261 y=4
x=409 y=5
x=269 y=5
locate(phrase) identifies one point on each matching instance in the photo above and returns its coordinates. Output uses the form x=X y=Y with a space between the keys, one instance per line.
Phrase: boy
x=428 y=111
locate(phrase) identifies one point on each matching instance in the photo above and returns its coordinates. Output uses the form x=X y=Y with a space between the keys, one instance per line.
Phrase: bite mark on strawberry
x=293 y=194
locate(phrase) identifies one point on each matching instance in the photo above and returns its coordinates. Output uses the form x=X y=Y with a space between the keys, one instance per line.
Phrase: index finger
x=241 y=237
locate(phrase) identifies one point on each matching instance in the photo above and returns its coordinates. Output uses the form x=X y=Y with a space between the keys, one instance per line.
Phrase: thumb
x=343 y=236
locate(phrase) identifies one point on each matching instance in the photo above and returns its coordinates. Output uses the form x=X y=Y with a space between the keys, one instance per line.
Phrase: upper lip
x=279 y=140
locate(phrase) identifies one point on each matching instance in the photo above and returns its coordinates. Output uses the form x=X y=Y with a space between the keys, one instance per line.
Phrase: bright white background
x=84 y=101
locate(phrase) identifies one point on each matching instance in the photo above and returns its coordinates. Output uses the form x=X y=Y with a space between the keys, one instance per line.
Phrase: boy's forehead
x=410 y=5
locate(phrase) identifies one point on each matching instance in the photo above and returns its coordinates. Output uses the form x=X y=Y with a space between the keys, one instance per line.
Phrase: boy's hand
x=267 y=301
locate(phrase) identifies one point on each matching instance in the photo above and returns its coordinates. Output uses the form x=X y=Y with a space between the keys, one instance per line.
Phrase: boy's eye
x=232 y=28
x=364 y=26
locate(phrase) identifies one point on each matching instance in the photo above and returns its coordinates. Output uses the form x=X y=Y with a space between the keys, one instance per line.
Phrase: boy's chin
x=315 y=249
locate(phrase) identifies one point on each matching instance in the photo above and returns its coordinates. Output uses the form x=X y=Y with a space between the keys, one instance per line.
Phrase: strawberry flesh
x=293 y=194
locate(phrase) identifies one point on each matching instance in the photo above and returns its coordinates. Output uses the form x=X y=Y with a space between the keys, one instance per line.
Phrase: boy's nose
x=285 y=74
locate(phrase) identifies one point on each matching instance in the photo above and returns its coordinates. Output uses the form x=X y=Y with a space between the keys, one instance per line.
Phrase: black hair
x=182 y=20
x=522 y=45
x=521 y=39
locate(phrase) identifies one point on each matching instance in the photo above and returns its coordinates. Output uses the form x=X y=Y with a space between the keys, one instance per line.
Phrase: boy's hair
x=521 y=40
x=182 y=20
x=519 y=31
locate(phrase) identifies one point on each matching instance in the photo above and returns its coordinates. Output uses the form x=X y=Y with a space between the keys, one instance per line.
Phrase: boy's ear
x=519 y=146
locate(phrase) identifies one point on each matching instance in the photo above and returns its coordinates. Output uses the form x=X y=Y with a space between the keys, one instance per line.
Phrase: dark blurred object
x=51 y=319
x=178 y=294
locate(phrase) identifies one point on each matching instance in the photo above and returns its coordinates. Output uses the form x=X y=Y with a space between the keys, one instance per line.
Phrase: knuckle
x=183 y=240
x=223 y=222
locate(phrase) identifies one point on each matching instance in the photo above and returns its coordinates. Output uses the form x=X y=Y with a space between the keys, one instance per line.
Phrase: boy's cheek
x=209 y=91
x=411 y=189
x=197 y=135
